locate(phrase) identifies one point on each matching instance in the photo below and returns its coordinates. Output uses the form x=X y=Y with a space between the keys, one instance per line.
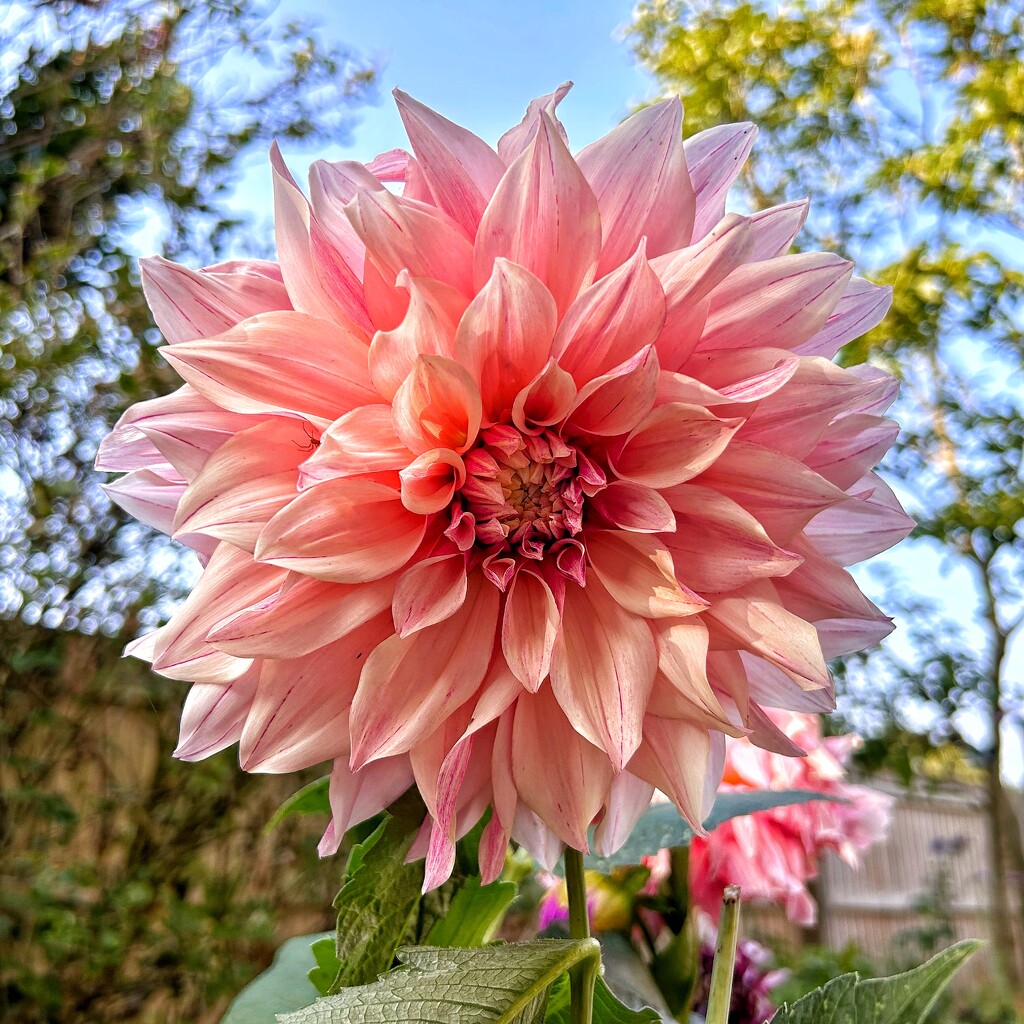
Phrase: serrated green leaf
x=327 y=964
x=379 y=897
x=607 y=1008
x=475 y=915
x=282 y=987
x=902 y=999
x=311 y=799
x=500 y=984
x=661 y=824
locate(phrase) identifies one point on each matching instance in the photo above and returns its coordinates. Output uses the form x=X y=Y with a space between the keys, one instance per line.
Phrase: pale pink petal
x=126 y=448
x=410 y=684
x=529 y=627
x=771 y=687
x=347 y=530
x=504 y=337
x=461 y=169
x=438 y=406
x=862 y=307
x=149 y=495
x=715 y=157
x=546 y=400
x=543 y=216
x=628 y=798
x=429 y=592
x=516 y=140
x=638 y=173
x=362 y=441
x=617 y=401
x=558 y=774
x=539 y=841
x=430 y=481
x=611 y=321
x=634 y=507
x=279 y=362
x=602 y=669
x=774 y=230
x=682 y=660
x=676 y=758
x=356 y=796
x=849 y=448
x=213 y=715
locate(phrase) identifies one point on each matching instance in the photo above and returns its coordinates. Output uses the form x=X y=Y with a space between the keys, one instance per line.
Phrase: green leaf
x=311 y=799
x=902 y=999
x=475 y=914
x=661 y=824
x=607 y=1009
x=328 y=965
x=503 y=984
x=379 y=897
x=282 y=987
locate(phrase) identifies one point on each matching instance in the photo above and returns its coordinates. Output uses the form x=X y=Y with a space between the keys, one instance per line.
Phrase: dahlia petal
x=682 y=660
x=149 y=495
x=775 y=303
x=213 y=715
x=429 y=592
x=558 y=774
x=189 y=304
x=504 y=337
x=764 y=733
x=718 y=545
x=638 y=173
x=300 y=714
x=617 y=401
x=126 y=448
x=428 y=328
x=602 y=670
x=362 y=441
x=409 y=685
x=539 y=841
x=819 y=589
x=438 y=406
x=306 y=614
x=871 y=521
x=250 y=478
x=628 y=798
x=546 y=400
x=715 y=157
x=543 y=216
x=634 y=507
x=231 y=580
x=847 y=636
x=517 y=140
x=862 y=307
x=331 y=186
x=529 y=627
x=774 y=230
x=849 y=448
x=347 y=530
x=401 y=234
x=770 y=686
x=430 y=481
x=461 y=169
x=674 y=444
x=356 y=796
x=279 y=362
x=638 y=571
x=611 y=321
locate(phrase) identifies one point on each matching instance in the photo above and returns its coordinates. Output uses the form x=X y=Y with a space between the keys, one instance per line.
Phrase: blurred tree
x=121 y=117
x=904 y=121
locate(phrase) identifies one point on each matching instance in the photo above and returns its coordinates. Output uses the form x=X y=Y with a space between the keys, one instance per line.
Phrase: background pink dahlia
x=527 y=485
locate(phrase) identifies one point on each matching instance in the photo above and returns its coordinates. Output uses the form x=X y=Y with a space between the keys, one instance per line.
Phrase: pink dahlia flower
x=524 y=485
x=773 y=854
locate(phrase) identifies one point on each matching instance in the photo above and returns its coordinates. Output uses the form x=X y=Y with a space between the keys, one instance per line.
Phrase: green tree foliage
x=904 y=122
x=122 y=116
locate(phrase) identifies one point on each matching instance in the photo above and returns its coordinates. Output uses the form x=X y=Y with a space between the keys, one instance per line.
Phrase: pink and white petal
x=611 y=321
x=764 y=733
x=628 y=798
x=409 y=685
x=617 y=401
x=674 y=444
x=461 y=169
x=638 y=571
x=504 y=337
x=213 y=715
x=546 y=400
x=347 y=530
x=149 y=495
x=715 y=158
x=430 y=481
x=602 y=670
x=529 y=627
x=634 y=507
x=820 y=589
x=770 y=686
x=300 y=714
x=543 y=216
x=775 y=303
x=437 y=406
x=360 y=442
x=862 y=307
x=539 y=841
x=429 y=592
x=356 y=796
x=247 y=481
x=189 y=304
x=126 y=448
x=847 y=636
x=517 y=140
x=774 y=230
x=279 y=362
x=682 y=660
x=331 y=186
x=558 y=774
x=638 y=173
x=851 y=447
x=304 y=615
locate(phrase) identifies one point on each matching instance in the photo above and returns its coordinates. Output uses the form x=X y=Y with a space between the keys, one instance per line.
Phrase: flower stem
x=583 y=976
x=720 y=995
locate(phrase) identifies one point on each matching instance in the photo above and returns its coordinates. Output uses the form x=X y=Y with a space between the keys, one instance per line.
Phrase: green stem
x=720 y=995
x=583 y=976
